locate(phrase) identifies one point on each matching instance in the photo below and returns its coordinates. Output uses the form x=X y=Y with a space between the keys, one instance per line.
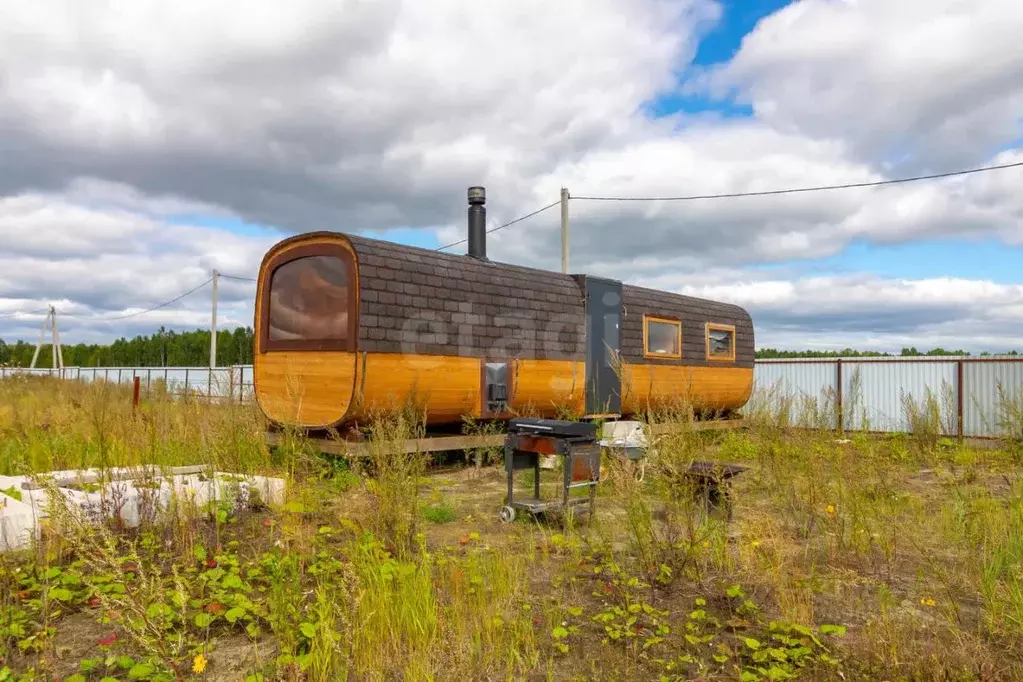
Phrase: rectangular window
x=720 y=342
x=662 y=338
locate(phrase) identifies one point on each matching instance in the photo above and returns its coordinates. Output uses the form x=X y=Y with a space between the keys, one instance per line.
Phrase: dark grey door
x=603 y=325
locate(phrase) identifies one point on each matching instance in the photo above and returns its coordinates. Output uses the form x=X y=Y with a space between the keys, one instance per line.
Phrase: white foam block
x=138 y=496
x=18 y=525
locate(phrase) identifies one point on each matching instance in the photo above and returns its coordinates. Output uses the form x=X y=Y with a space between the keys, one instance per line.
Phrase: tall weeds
x=393 y=476
x=916 y=556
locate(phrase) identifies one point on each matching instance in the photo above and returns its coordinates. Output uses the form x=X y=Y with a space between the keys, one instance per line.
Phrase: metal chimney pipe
x=477 y=223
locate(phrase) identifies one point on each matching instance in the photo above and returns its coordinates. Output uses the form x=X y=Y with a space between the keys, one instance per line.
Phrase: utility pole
x=56 y=351
x=564 y=230
x=213 y=322
x=39 y=346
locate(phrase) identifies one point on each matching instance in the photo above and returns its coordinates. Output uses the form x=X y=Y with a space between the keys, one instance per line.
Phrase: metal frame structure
x=575 y=442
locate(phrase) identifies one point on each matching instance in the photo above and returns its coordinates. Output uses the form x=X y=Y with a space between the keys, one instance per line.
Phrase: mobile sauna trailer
x=346 y=327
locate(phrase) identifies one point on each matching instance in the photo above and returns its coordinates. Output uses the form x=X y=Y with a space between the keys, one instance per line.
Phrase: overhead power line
x=793 y=190
x=501 y=227
x=729 y=195
x=7 y=316
x=147 y=310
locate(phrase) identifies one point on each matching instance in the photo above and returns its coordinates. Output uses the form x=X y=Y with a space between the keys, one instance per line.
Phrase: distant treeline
x=192 y=349
x=162 y=349
x=771 y=353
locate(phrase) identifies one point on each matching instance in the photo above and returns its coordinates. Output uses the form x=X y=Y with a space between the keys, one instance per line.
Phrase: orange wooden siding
x=546 y=388
x=314 y=389
x=707 y=387
x=308 y=388
x=447 y=386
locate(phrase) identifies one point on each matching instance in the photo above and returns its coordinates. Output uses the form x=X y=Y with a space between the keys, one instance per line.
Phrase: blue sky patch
x=233 y=225
x=718 y=45
x=973 y=259
x=738 y=18
x=412 y=236
x=969 y=259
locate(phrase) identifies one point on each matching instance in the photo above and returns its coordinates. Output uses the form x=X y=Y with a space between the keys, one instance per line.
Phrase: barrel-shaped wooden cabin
x=347 y=327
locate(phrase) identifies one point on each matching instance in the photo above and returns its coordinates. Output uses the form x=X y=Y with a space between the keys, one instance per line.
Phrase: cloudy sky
x=144 y=143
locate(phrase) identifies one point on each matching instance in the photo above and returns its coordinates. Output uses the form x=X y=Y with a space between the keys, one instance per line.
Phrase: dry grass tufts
x=847 y=556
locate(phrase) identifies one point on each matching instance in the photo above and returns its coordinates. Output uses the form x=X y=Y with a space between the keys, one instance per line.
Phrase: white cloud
x=123 y=124
x=869 y=312
x=355 y=113
x=94 y=264
x=940 y=79
x=161 y=260
x=748 y=157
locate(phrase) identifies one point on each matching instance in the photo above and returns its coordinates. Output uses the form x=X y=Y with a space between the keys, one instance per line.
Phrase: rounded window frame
x=349 y=343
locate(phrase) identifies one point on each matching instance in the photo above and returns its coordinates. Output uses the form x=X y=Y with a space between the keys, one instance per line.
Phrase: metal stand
x=576 y=442
x=712 y=484
x=710 y=479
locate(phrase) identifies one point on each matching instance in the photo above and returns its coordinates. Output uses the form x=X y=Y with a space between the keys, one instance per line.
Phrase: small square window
x=662 y=338
x=720 y=342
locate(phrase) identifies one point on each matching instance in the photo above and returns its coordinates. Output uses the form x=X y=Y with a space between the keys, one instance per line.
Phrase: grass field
x=847 y=558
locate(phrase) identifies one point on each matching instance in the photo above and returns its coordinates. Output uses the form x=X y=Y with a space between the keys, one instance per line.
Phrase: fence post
x=838 y=395
x=135 y=392
x=959 y=399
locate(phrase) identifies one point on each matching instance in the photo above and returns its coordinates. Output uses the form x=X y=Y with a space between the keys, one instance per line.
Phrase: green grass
x=882 y=558
x=441 y=512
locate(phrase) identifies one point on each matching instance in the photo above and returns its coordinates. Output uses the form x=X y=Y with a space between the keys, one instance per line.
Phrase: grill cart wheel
x=507 y=514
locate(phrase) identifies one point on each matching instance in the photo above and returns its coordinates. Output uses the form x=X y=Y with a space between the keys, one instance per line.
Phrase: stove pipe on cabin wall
x=477 y=223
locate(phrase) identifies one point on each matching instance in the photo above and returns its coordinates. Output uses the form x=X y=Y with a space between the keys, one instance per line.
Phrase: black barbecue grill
x=576 y=442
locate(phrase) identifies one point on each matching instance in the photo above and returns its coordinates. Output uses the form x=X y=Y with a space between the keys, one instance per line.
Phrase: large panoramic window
x=720 y=342
x=662 y=338
x=309 y=304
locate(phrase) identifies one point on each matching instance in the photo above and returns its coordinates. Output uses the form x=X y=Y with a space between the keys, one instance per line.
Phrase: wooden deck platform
x=461 y=442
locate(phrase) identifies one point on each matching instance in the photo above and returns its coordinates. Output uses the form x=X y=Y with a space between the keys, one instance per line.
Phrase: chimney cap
x=477 y=195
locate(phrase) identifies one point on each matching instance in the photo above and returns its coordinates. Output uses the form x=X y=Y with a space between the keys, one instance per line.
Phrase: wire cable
x=147 y=310
x=501 y=227
x=7 y=316
x=733 y=195
x=729 y=195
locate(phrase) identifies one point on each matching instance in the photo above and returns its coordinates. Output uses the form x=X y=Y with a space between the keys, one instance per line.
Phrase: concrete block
x=18 y=526
x=626 y=436
x=136 y=495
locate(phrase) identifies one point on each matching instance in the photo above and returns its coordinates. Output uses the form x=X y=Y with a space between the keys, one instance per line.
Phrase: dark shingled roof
x=416 y=301
x=694 y=313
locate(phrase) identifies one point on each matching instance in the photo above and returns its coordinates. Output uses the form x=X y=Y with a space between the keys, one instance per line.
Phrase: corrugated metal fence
x=975 y=396
x=226 y=383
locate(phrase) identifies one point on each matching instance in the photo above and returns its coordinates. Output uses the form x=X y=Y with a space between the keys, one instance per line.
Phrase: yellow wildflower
x=927 y=601
x=830 y=509
x=199 y=664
